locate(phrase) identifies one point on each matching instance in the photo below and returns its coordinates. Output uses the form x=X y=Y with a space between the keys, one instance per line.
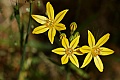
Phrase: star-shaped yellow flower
x=52 y=24
x=95 y=50
x=68 y=51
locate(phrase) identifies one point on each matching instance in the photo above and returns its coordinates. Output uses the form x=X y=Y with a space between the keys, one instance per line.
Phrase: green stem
x=68 y=76
x=21 y=28
x=25 y=42
x=59 y=32
x=68 y=72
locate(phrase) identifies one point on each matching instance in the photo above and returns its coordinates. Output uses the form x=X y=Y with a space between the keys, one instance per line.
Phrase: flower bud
x=62 y=35
x=73 y=27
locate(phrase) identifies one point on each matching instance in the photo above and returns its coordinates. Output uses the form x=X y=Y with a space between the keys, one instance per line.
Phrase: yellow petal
x=91 y=39
x=87 y=60
x=98 y=63
x=74 y=60
x=78 y=52
x=60 y=16
x=85 y=49
x=40 y=19
x=106 y=51
x=60 y=27
x=64 y=59
x=65 y=42
x=60 y=51
x=40 y=29
x=51 y=34
x=49 y=10
x=103 y=40
x=75 y=42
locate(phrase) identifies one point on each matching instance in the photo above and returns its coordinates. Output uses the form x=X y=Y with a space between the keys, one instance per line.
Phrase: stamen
x=50 y=23
x=95 y=51
x=69 y=51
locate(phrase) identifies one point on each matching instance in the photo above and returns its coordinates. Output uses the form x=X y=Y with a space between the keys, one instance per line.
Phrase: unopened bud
x=62 y=35
x=73 y=27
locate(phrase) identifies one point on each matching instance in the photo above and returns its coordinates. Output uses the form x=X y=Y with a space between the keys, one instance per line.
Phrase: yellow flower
x=68 y=51
x=95 y=50
x=52 y=24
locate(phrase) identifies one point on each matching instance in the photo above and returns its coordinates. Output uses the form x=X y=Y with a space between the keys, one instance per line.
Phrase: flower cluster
x=70 y=50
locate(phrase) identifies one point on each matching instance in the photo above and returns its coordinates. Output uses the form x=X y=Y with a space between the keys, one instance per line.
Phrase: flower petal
x=65 y=42
x=60 y=51
x=60 y=27
x=64 y=59
x=74 y=60
x=60 y=16
x=40 y=19
x=40 y=29
x=105 y=51
x=85 y=49
x=87 y=60
x=98 y=63
x=49 y=10
x=51 y=34
x=75 y=42
x=91 y=39
x=102 y=40
x=78 y=52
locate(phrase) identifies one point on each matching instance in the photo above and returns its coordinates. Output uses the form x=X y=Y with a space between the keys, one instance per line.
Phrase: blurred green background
x=98 y=16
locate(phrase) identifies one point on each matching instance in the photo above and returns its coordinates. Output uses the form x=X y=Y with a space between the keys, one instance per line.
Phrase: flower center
x=50 y=23
x=69 y=51
x=95 y=51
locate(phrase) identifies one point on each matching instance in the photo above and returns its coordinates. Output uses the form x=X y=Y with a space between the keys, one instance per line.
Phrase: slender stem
x=68 y=72
x=25 y=42
x=21 y=37
x=21 y=28
x=59 y=32
x=68 y=76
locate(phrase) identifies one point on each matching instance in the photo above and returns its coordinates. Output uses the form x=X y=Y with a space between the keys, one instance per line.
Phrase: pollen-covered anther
x=69 y=51
x=50 y=23
x=95 y=51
